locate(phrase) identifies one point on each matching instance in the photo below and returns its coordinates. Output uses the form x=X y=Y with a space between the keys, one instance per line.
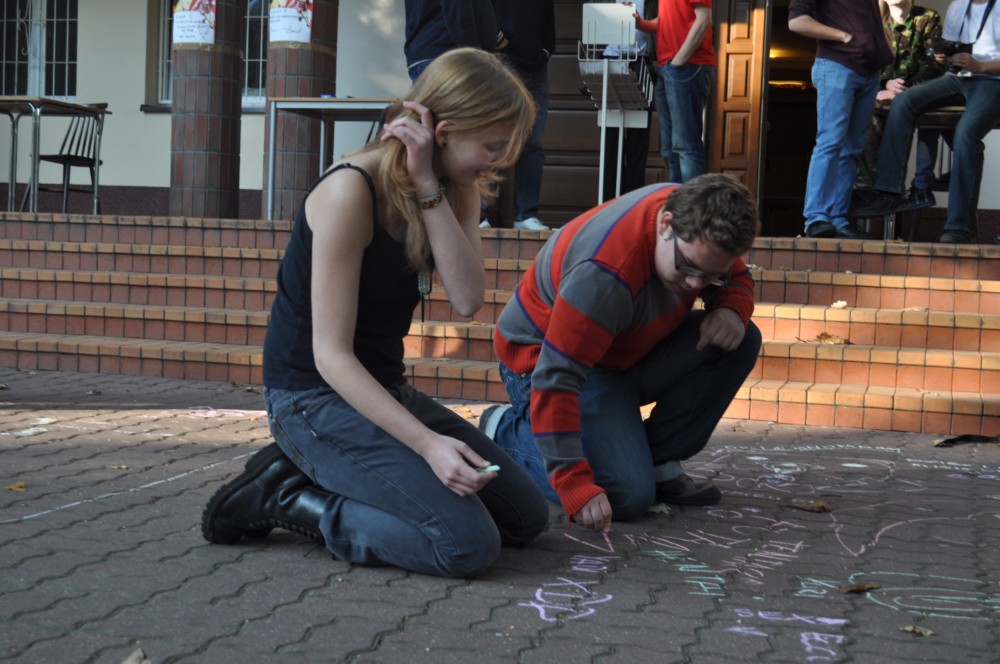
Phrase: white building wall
x=113 y=69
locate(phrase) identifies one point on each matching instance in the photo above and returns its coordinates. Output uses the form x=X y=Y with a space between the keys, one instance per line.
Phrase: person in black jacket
x=436 y=26
x=528 y=37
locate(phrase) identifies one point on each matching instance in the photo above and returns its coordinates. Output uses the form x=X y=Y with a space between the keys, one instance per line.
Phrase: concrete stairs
x=872 y=334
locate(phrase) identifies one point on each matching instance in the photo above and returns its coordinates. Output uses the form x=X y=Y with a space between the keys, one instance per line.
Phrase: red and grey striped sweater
x=592 y=298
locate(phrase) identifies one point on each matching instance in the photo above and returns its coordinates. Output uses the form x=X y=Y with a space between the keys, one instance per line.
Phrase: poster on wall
x=194 y=22
x=290 y=20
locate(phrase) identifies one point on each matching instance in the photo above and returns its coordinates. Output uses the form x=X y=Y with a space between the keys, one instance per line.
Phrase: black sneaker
x=685 y=490
x=917 y=199
x=958 y=237
x=852 y=231
x=821 y=229
x=884 y=204
x=490 y=418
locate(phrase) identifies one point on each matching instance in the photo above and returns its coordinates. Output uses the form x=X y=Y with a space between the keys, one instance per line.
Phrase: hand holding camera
x=949 y=49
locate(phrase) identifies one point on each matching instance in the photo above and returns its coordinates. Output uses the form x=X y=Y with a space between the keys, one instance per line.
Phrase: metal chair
x=81 y=148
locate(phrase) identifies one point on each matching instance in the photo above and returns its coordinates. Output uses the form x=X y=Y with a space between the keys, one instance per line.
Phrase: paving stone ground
x=104 y=478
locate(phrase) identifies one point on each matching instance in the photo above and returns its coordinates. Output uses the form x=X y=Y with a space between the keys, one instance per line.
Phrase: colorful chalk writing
x=932 y=596
x=700 y=578
x=566 y=599
x=571 y=599
x=754 y=565
x=818 y=646
x=816 y=588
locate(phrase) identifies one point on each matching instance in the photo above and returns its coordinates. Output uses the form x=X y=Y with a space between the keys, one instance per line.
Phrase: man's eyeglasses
x=687 y=268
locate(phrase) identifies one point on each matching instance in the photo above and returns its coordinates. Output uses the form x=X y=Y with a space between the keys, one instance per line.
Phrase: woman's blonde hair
x=472 y=90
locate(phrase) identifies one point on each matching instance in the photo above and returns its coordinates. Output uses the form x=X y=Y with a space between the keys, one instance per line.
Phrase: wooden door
x=736 y=114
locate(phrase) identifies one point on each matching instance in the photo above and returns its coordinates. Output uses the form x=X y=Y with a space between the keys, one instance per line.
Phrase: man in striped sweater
x=603 y=323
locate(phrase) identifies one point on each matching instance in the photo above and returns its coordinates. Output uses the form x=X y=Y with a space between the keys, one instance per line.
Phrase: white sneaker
x=530 y=224
x=490 y=419
x=485 y=223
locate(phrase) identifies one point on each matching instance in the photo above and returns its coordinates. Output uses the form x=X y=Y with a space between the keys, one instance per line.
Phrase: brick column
x=206 y=108
x=299 y=70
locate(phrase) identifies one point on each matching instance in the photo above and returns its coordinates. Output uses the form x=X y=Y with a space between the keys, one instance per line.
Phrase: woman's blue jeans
x=844 y=102
x=629 y=456
x=389 y=506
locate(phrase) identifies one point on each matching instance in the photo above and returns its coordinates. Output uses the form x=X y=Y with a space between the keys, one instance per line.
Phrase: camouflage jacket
x=909 y=42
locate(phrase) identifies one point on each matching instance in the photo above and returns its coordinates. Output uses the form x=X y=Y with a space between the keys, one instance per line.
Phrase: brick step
x=820 y=289
x=789 y=402
x=511 y=243
x=139 y=289
x=913 y=259
x=877 y=291
x=914 y=328
x=235 y=363
x=200 y=325
x=198 y=232
x=148 y=258
x=912 y=297
x=878 y=408
x=180 y=231
x=910 y=259
x=438 y=308
x=879 y=366
x=505 y=273
x=785 y=402
x=799 y=361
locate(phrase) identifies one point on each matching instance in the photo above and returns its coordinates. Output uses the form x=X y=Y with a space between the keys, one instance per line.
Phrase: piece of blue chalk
x=489 y=469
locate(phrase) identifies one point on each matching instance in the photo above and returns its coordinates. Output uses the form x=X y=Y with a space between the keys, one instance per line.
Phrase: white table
x=327 y=110
x=17 y=107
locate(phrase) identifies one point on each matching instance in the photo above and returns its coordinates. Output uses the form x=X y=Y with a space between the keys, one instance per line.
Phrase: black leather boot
x=271 y=492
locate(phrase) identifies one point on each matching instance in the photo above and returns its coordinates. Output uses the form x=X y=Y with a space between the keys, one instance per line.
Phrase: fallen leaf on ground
x=31 y=431
x=965 y=438
x=917 y=629
x=118 y=467
x=138 y=657
x=814 y=506
x=659 y=508
x=17 y=486
x=859 y=588
x=826 y=338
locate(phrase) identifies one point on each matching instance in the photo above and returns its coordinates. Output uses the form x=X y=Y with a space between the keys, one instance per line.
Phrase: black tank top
x=388 y=294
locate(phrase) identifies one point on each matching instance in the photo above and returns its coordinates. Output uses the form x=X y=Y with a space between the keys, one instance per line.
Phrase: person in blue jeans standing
x=852 y=50
x=686 y=59
x=528 y=29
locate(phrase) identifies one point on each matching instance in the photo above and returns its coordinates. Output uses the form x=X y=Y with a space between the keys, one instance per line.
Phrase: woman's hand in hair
x=417 y=134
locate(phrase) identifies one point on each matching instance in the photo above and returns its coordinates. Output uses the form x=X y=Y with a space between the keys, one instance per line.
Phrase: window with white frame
x=38 y=43
x=254 y=53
